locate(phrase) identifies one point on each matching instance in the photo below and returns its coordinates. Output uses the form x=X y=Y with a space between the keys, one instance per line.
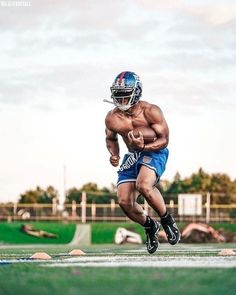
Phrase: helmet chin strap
x=124 y=108
x=109 y=101
x=121 y=107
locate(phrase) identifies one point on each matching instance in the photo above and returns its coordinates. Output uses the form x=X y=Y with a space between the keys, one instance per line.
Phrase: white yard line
x=135 y=261
x=182 y=255
x=147 y=261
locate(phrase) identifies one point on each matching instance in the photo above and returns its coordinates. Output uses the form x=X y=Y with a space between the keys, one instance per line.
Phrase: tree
x=94 y=194
x=177 y=186
x=39 y=195
x=90 y=187
x=73 y=194
x=199 y=182
x=222 y=189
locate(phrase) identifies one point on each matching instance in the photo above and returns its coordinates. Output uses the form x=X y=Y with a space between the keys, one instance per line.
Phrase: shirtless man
x=143 y=165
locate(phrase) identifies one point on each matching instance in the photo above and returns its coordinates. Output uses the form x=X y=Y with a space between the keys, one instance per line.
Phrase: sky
x=58 y=60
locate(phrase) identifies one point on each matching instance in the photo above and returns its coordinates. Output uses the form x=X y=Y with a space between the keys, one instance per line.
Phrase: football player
x=143 y=164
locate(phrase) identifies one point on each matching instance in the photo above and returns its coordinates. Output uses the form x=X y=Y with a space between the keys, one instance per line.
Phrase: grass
x=31 y=279
x=226 y=226
x=38 y=279
x=102 y=232
x=11 y=233
x=105 y=232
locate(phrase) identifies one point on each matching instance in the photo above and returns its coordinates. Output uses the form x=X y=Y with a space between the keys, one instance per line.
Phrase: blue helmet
x=126 y=85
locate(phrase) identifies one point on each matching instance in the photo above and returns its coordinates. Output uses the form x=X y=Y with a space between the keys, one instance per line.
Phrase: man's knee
x=124 y=203
x=144 y=187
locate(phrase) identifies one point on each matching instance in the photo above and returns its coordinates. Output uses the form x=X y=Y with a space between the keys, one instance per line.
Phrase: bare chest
x=124 y=124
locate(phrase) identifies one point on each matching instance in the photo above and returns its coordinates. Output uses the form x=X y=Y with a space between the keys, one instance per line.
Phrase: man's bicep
x=161 y=130
x=158 y=122
x=110 y=134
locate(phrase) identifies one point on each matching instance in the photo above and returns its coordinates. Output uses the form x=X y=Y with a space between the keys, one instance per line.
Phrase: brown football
x=149 y=135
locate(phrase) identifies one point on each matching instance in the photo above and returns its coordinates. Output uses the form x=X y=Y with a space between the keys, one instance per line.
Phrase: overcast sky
x=59 y=58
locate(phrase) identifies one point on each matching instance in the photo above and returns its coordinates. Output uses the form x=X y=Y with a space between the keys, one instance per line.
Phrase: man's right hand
x=114 y=160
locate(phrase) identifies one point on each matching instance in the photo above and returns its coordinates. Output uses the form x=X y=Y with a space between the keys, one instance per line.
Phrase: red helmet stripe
x=121 y=76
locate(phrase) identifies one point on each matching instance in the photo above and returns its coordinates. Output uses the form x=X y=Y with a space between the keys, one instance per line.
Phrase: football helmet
x=126 y=90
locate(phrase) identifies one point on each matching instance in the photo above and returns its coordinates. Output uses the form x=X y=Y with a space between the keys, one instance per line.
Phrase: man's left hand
x=136 y=142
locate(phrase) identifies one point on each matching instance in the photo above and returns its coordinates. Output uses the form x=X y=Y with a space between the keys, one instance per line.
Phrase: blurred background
x=58 y=60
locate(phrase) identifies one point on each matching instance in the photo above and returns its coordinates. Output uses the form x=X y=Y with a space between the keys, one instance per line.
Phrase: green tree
x=221 y=187
x=94 y=194
x=73 y=194
x=90 y=187
x=177 y=186
x=198 y=182
x=39 y=195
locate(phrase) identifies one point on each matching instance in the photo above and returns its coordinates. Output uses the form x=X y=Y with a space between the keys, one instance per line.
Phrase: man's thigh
x=126 y=192
x=147 y=176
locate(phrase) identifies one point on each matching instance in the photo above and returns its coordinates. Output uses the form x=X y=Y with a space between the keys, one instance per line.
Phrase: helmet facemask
x=123 y=98
x=121 y=94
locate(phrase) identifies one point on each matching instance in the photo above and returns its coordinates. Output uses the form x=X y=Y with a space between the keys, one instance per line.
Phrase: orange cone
x=76 y=252
x=41 y=255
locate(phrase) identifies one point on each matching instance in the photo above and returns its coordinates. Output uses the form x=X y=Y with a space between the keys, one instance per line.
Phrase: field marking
x=153 y=261
x=182 y=255
x=147 y=261
x=134 y=261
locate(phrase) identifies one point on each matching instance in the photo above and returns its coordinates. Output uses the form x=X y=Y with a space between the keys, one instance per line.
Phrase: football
x=149 y=135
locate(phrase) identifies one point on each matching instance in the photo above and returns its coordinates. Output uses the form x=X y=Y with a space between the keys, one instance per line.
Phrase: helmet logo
x=120 y=83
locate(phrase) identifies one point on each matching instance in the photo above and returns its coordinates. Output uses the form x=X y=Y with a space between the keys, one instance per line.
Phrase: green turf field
x=10 y=233
x=102 y=232
x=109 y=269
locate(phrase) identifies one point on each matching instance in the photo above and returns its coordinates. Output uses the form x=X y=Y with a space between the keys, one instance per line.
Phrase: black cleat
x=151 y=234
x=171 y=229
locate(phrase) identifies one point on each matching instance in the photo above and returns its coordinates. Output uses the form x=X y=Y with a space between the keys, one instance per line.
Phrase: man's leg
x=127 y=195
x=146 y=186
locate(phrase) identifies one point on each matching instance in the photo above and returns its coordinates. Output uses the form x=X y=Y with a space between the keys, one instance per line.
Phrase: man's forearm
x=113 y=147
x=157 y=145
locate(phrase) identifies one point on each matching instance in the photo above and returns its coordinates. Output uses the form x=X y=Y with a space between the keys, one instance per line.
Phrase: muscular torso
x=142 y=114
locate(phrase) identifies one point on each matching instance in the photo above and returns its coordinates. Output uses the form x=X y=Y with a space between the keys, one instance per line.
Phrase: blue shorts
x=132 y=163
